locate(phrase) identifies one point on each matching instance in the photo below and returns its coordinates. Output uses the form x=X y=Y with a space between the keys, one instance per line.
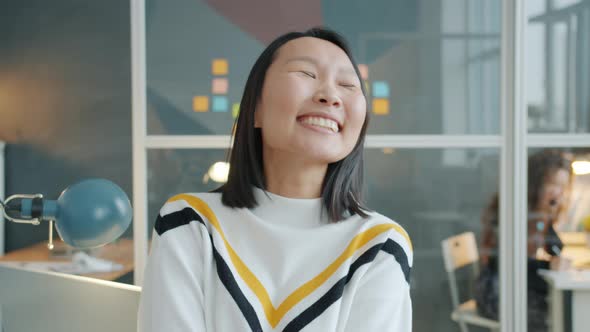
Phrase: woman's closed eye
x=348 y=85
x=310 y=74
x=307 y=73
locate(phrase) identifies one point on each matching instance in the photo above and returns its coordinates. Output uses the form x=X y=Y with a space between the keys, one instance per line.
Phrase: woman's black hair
x=343 y=184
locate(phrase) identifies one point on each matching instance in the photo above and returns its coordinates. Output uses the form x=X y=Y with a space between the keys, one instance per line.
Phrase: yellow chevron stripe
x=273 y=315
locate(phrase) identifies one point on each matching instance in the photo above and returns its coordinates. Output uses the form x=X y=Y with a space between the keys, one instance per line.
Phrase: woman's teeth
x=321 y=122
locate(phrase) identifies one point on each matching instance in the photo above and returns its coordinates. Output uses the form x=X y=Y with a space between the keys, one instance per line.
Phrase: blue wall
x=65 y=98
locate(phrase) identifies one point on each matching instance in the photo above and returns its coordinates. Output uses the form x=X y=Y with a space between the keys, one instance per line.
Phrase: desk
x=120 y=251
x=576 y=281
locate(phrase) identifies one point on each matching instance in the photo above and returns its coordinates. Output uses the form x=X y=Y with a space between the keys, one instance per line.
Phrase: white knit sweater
x=278 y=267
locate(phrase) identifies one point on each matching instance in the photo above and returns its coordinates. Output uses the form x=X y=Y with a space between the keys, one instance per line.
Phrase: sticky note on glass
x=380 y=106
x=220 y=104
x=200 y=103
x=219 y=86
x=364 y=70
x=235 y=110
x=367 y=87
x=380 y=89
x=220 y=67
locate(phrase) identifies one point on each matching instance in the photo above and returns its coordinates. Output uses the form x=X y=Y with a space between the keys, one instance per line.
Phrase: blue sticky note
x=220 y=104
x=380 y=89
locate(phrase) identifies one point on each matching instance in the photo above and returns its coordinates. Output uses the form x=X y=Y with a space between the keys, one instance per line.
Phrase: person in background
x=550 y=178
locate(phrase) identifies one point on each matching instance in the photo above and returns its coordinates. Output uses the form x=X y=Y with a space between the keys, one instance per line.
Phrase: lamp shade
x=92 y=213
x=87 y=214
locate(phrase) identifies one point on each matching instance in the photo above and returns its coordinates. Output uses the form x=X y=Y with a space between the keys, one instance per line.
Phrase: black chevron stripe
x=234 y=290
x=393 y=248
x=335 y=293
x=187 y=215
x=184 y=217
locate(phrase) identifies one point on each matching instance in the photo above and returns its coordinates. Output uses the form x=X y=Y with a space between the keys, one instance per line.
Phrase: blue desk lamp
x=87 y=214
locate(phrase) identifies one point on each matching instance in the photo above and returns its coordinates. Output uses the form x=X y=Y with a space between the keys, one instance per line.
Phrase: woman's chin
x=322 y=156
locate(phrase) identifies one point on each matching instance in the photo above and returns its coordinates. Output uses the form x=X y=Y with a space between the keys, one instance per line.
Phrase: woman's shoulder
x=383 y=234
x=376 y=218
x=391 y=231
x=195 y=200
x=186 y=208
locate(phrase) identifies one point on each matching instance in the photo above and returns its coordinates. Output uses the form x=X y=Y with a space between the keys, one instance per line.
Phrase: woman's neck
x=291 y=212
x=293 y=177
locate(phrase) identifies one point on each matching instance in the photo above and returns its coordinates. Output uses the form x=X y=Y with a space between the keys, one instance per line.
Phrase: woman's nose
x=327 y=98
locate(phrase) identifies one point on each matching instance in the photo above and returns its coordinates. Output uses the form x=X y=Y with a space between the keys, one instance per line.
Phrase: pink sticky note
x=364 y=69
x=219 y=86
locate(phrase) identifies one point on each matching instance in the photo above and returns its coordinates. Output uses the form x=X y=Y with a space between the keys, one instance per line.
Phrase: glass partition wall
x=556 y=99
x=453 y=86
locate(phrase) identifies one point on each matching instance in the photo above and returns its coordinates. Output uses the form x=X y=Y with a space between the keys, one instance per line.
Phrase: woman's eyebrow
x=305 y=58
x=348 y=70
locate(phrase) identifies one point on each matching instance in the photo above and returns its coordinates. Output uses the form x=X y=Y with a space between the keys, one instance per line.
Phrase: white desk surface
x=567 y=280
x=575 y=279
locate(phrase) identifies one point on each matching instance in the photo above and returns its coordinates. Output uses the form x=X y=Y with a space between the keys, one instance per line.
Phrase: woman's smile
x=319 y=124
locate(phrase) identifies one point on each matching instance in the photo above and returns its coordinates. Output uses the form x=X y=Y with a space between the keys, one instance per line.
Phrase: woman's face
x=554 y=192
x=312 y=105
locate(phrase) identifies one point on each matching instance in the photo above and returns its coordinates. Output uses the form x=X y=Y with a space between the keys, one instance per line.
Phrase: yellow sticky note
x=367 y=88
x=220 y=67
x=380 y=106
x=200 y=103
x=235 y=110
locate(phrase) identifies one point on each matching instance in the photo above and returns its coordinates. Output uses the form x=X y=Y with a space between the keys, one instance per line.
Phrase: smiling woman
x=286 y=244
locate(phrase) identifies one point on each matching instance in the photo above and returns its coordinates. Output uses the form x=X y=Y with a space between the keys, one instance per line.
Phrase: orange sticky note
x=364 y=69
x=219 y=86
x=380 y=106
x=200 y=103
x=220 y=67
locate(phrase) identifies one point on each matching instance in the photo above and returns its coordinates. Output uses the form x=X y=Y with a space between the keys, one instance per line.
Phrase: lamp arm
x=33 y=221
